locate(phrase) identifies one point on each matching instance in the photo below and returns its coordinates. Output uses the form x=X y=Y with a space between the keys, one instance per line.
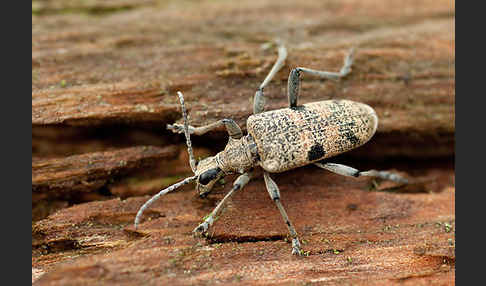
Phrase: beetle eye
x=208 y=176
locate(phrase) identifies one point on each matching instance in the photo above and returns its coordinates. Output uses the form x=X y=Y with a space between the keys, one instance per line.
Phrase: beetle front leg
x=234 y=131
x=352 y=172
x=272 y=189
x=239 y=183
x=293 y=83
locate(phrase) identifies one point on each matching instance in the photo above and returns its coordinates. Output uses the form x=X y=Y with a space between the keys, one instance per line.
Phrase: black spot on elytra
x=316 y=152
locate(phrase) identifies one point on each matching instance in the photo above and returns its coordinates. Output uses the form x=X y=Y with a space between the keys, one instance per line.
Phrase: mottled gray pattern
x=238 y=156
x=292 y=137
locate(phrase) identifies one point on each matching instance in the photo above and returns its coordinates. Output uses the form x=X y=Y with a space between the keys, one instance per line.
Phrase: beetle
x=281 y=140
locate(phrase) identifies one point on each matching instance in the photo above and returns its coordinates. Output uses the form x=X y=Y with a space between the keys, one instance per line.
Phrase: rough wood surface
x=352 y=235
x=104 y=82
x=126 y=67
x=91 y=171
x=56 y=181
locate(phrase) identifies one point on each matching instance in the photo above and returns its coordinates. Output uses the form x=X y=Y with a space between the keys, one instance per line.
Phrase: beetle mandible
x=281 y=140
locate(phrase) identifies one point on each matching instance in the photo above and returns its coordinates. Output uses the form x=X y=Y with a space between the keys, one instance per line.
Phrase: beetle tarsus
x=202 y=229
x=296 y=249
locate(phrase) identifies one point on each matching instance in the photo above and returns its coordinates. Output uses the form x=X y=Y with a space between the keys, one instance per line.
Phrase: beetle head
x=208 y=172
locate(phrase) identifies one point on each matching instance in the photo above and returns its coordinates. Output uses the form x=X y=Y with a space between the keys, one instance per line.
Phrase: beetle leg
x=259 y=102
x=293 y=83
x=352 y=172
x=272 y=189
x=259 y=99
x=234 y=131
x=239 y=183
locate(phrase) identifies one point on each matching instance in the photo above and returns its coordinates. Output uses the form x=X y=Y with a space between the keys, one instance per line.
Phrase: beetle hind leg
x=352 y=172
x=259 y=99
x=293 y=84
x=239 y=183
x=272 y=189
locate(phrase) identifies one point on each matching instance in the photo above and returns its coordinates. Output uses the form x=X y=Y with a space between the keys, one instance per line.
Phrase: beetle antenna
x=192 y=161
x=161 y=193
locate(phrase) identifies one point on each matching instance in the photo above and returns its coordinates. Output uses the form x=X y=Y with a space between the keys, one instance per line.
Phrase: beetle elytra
x=281 y=140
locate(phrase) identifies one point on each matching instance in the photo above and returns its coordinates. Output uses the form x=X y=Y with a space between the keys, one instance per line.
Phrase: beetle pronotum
x=281 y=140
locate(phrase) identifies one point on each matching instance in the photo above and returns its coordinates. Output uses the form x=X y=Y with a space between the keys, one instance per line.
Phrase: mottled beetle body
x=281 y=140
x=289 y=138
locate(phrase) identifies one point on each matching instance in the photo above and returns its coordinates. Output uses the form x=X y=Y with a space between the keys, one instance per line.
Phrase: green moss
x=206 y=216
x=447 y=227
x=238 y=277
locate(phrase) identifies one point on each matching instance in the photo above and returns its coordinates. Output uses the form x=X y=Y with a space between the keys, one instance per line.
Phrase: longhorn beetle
x=281 y=140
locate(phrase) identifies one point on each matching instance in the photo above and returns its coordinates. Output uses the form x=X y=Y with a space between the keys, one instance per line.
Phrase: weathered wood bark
x=351 y=235
x=120 y=70
x=104 y=82
x=87 y=172
x=92 y=176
